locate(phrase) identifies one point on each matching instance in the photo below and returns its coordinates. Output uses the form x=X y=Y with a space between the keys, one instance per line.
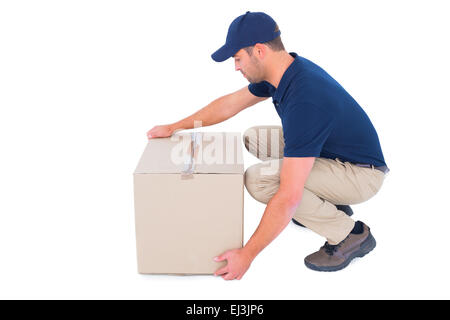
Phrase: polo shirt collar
x=287 y=77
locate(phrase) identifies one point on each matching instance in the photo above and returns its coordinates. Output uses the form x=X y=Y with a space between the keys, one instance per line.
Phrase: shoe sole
x=368 y=245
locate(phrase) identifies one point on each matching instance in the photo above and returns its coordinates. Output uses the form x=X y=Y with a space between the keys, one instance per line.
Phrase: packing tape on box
x=189 y=161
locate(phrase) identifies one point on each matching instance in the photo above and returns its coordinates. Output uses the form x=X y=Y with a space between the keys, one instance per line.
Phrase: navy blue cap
x=247 y=30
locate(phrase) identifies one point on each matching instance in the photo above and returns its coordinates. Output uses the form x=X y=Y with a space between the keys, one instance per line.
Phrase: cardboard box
x=188 y=194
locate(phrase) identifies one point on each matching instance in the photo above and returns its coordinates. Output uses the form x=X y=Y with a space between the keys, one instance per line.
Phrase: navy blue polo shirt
x=319 y=118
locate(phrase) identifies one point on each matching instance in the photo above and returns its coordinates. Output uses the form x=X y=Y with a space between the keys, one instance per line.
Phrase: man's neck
x=281 y=62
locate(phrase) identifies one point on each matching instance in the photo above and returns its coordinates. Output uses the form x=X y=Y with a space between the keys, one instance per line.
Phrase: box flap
x=194 y=152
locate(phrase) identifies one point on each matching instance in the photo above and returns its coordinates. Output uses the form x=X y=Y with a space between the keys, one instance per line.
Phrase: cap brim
x=223 y=53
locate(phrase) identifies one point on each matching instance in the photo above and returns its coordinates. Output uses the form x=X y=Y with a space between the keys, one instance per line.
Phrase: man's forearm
x=213 y=113
x=278 y=214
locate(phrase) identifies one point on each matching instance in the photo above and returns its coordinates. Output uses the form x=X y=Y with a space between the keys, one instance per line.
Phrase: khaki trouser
x=330 y=182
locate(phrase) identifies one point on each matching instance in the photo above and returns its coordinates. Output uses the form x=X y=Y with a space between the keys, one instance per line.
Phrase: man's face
x=249 y=66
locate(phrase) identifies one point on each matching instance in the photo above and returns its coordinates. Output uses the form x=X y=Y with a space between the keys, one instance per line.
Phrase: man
x=327 y=148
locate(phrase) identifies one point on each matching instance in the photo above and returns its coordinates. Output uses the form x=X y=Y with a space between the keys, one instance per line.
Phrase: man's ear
x=260 y=50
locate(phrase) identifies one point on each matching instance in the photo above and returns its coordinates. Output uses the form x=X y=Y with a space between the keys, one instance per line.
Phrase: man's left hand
x=238 y=262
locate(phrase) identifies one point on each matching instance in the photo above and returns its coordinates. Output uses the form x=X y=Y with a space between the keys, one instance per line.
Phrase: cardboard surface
x=182 y=224
x=217 y=153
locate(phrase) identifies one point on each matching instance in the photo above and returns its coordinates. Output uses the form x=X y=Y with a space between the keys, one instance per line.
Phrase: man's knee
x=262 y=181
x=251 y=182
x=250 y=135
x=258 y=137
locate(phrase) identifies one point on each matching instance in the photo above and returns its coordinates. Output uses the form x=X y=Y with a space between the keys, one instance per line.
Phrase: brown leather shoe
x=337 y=257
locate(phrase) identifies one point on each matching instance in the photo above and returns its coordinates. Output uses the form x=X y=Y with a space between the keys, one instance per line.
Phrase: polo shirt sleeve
x=260 y=89
x=306 y=128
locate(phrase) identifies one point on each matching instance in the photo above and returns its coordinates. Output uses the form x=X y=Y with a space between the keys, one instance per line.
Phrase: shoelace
x=331 y=249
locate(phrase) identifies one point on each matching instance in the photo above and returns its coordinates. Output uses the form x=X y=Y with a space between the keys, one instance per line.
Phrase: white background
x=81 y=82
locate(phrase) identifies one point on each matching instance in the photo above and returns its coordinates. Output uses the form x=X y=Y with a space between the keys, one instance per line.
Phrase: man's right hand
x=160 y=132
